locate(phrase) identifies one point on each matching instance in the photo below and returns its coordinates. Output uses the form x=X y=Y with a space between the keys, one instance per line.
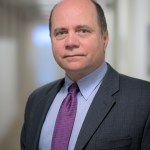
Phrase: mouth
x=73 y=56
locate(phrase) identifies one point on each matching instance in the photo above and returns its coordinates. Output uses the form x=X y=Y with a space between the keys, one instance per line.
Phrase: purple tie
x=65 y=120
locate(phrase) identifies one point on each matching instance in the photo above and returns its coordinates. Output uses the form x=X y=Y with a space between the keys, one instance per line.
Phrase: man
x=113 y=110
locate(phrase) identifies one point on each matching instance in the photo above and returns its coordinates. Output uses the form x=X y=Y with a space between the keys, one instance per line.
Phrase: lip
x=73 y=56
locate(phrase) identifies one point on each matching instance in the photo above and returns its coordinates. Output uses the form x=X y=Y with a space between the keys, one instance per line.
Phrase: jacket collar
x=100 y=107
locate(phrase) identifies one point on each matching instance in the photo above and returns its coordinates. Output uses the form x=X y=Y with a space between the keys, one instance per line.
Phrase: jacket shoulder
x=43 y=91
x=131 y=81
x=134 y=88
x=126 y=83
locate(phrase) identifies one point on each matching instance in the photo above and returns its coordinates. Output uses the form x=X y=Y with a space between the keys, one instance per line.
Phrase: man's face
x=77 y=43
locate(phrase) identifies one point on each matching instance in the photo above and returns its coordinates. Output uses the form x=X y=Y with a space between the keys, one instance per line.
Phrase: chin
x=73 y=67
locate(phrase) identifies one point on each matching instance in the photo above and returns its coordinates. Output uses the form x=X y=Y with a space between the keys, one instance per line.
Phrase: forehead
x=73 y=9
x=66 y=3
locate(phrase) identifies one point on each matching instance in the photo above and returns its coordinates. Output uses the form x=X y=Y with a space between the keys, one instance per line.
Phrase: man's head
x=78 y=37
x=100 y=17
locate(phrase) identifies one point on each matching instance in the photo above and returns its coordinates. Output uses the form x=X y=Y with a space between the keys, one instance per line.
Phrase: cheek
x=95 y=51
x=57 y=49
x=93 y=48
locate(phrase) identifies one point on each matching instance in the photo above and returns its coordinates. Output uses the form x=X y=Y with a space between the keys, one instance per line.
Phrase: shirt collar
x=89 y=83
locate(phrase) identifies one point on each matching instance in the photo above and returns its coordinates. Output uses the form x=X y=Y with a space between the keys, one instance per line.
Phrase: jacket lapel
x=100 y=108
x=41 y=109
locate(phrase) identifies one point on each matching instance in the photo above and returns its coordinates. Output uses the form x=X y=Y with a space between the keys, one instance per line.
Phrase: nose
x=71 y=41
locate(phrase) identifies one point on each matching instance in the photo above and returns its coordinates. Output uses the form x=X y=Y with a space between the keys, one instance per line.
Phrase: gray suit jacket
x=118 y=118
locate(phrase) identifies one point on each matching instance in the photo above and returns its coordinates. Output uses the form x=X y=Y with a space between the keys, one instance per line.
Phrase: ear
x=105 y=39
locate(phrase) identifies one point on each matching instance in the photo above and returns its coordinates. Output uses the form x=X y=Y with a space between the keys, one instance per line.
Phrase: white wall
x=128 y=23
x=139 y=41
x=8 y=84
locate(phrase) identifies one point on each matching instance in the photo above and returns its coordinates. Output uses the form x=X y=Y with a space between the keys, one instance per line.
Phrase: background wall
x=26 y=60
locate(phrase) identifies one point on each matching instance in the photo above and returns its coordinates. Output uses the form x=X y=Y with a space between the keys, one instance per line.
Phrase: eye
x=83 y=32
x=60 y=34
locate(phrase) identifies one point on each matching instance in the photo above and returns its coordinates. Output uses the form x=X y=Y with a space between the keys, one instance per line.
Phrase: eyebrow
x=78 y=26
x=59 y=29
x=83 y=26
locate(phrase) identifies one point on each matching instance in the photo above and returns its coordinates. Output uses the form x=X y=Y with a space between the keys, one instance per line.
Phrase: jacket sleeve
x=145 y=145
x=23 y=137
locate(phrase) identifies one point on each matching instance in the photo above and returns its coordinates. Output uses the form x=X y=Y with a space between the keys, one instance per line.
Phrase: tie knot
x=73 y=88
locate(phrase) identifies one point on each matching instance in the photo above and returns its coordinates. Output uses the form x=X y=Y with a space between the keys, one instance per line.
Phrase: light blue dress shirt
x=88 y=86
